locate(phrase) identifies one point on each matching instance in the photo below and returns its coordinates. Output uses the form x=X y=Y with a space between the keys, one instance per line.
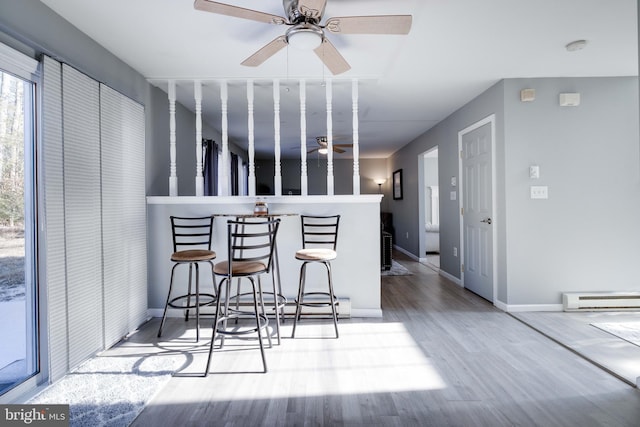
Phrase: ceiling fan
x=322 y=149
x=303 y=19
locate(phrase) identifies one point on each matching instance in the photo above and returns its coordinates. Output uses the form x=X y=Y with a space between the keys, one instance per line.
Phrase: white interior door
x=477 y=208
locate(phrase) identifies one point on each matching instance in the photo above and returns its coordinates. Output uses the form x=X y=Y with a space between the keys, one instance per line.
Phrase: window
x=18 y=284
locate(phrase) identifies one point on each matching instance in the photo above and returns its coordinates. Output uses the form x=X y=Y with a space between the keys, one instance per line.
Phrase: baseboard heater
x=592 y=301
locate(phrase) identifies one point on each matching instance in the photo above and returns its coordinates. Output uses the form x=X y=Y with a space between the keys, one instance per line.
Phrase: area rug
x=110 y=391
x=628 y=331
x=396 y=270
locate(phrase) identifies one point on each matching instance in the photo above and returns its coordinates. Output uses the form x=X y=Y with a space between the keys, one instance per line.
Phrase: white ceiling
x=455 y=50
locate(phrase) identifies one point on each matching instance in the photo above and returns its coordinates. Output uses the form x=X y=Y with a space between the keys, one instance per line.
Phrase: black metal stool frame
x=190 y=232
x=279 y=300
x=250 y=259
x=317 y=231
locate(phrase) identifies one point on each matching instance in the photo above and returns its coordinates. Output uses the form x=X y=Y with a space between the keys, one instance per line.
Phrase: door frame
x=491 y=119
x=421 y=203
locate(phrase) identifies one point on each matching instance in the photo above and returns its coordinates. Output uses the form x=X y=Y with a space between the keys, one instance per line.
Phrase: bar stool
x=250 y=254
x=190 y=238
x=279 y=300
x=319 y=241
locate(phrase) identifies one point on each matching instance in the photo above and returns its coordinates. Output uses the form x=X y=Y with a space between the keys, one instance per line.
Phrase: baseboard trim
x=406 y=252
x=518 y=308
x=448 y=276
x=521 y=308
x=500 y=305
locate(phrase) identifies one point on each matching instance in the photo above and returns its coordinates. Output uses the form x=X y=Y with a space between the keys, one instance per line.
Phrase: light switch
x=539 y=192
x=534 y=172
x=453 y=195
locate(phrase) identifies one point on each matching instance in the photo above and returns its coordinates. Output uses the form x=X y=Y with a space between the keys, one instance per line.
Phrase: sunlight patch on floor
x=367 y=358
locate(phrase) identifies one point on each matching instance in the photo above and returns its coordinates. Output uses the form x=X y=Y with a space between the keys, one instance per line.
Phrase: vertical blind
x=82 y=208
x=54 y=267
x=95 y=252
x=124 y=239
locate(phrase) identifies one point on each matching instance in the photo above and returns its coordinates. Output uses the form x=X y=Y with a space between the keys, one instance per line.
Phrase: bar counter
x=356 y=271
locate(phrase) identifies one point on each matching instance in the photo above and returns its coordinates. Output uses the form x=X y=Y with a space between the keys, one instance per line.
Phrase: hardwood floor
x=576 y=332
x=440 y=356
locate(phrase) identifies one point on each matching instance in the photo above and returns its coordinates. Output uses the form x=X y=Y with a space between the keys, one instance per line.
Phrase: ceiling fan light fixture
x=304 y=36
x=323 y=150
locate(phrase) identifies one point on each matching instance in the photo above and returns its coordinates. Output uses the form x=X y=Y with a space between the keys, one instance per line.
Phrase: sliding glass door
x=18 y=287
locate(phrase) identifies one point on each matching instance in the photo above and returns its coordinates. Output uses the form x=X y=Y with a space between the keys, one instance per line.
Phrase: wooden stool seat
x=316 y=254
x=240 y=268
x=193 y=255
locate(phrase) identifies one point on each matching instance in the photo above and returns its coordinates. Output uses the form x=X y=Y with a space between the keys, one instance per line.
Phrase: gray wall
x=584 y=237
x=445 y=136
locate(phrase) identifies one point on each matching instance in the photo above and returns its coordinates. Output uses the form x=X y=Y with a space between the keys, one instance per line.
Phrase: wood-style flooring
x=439 y=356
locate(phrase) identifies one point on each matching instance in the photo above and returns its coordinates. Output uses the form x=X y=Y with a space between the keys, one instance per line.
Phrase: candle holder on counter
x=261 y=208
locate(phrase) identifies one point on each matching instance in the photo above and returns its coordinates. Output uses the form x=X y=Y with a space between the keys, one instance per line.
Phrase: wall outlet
x=539 y=192
x=455 y=251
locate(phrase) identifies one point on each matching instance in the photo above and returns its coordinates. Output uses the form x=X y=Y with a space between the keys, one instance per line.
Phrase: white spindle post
x=251 y=127
x=173 y=177
x=276 y=125
x=356 y=146
x=197 y=94
x=329 y=92
x=303 y=139
x=224 y=173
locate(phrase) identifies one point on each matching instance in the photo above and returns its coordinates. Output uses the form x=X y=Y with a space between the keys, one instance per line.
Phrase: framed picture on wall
x=397 y=185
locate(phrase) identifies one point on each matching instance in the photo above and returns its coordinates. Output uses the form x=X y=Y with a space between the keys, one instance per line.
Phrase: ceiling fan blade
x=265 y=52
x=383 y=24
x=313 y=151
x=331 y=57
x=312 y=8
x=237 y=12
x=338 y=150
x=343 y=145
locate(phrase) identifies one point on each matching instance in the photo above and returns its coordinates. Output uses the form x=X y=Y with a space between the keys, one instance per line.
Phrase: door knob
x=486 y=221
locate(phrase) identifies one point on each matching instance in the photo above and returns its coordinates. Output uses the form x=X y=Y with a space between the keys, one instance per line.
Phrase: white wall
x=356 y=271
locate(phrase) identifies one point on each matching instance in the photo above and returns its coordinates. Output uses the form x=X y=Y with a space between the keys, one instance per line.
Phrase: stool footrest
x=318 y=303
x=282 y=300
x=263 y=323
x=208 y=299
